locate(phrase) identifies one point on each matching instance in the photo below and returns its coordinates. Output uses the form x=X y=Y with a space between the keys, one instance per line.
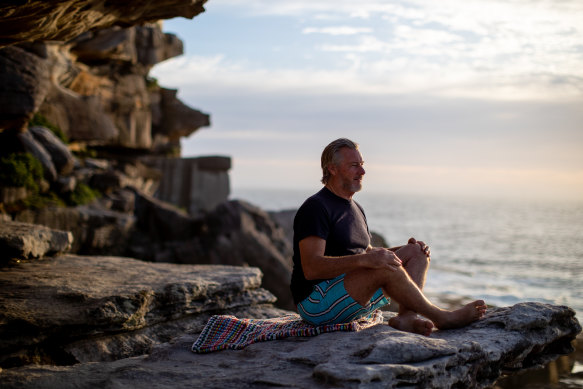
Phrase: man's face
x=349 y=170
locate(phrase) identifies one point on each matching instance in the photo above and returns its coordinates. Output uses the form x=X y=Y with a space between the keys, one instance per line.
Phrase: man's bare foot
x=410 y=322
x=461 y=317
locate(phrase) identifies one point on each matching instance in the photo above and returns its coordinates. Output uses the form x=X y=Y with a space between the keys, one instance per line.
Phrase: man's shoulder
x=317 y=201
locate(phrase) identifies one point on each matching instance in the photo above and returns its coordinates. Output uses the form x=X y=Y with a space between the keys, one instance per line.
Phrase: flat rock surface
x=67 y=298
x=519 y=337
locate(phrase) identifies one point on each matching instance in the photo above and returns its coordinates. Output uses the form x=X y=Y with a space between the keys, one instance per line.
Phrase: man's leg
x=397 y=284
x=416 y=263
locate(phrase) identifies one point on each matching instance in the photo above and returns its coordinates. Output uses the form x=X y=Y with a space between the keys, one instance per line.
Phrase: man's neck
x=339 y=192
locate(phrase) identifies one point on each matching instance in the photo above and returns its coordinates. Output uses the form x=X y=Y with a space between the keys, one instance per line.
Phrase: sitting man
x=339 y=277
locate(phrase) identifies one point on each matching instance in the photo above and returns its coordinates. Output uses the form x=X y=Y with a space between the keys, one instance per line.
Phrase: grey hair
x=330 y=155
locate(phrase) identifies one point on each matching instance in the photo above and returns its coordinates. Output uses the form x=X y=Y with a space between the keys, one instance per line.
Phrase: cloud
x=500 y=50
x=400 y=75
x=339 y=30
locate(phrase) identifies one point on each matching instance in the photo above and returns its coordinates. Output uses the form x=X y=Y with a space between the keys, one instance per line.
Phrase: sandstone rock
x=60 y=154
x=285 y=219
x=9 y=195
x=78 y=303
x=163 y=221
x=109 y=181
x=65 y=184
x=94 y=88
x=33 y=147
x=24 y=77
x=518 y=337
x=82 y=118
x=109 y=44
x=129 y=344
x=38 y=20
x=27 y=241
x=123 y=200
x=154 y=46
x=177 y=119
x=198 y=184
x=96 y=231
x=238 y=233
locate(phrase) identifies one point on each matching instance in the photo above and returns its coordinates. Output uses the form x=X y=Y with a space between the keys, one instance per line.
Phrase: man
x=338 y=276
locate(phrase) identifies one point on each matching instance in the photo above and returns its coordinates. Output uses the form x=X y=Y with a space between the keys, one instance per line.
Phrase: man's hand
x=379 y=257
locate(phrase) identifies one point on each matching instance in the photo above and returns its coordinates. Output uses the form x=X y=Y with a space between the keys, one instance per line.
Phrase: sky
x=447 y=97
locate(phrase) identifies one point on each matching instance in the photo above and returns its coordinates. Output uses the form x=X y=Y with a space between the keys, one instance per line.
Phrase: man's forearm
x=323 y=267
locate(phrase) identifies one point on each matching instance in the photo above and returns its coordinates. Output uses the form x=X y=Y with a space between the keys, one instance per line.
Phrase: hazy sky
x=442 y=96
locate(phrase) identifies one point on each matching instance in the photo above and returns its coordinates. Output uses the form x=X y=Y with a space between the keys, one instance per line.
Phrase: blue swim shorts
x=329 y=303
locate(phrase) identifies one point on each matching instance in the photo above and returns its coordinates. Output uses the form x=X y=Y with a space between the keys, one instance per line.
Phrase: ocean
x=504 y=251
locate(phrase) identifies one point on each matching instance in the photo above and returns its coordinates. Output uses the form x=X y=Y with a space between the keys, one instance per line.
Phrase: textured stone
x=82 y=118
x=238 y=233
x=50 y=304
x=177 y=119
x=96 y=230
x=60 y=154
x=196 y=184
x=33 y=147
x=26 y=241
x=518 y=337
x=37 y=20
x=153 y=46
x=163 y=221
x=24 y=77
x=12 y=194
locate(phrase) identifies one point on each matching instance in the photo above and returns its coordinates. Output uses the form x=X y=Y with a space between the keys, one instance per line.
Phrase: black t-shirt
x=340 y=222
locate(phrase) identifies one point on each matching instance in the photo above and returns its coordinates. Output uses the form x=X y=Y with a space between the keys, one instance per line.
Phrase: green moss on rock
x=21 y=170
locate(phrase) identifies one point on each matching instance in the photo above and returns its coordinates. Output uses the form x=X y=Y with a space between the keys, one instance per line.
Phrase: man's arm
x=318 y=266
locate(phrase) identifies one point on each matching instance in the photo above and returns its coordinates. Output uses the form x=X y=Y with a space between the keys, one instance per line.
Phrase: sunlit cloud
x=339 y=30
x=384 y=77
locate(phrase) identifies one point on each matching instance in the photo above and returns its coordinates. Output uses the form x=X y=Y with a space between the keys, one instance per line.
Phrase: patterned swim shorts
x=329 y=303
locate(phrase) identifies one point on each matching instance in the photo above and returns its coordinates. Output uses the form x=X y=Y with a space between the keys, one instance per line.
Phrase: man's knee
x=412 y=252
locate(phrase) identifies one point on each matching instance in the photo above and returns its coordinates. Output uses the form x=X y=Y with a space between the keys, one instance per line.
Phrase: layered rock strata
x=69 y=308
x=39 y=20
x=96 y=89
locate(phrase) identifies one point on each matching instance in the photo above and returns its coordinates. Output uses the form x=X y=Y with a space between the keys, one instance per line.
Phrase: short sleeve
x=312 y=219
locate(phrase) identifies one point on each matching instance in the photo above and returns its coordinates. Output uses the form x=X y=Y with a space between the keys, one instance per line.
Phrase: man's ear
x=332 y=169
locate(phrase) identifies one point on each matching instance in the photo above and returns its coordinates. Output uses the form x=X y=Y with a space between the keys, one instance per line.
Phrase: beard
x=352 y=185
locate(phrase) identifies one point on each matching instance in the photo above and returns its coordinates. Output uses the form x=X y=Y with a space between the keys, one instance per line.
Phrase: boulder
x=198 y=184
x=28 y=241
x=24 y=76
x=507 y=339
x=33 y=147
x=177 y=119
x=61 y=156
x=153 y=46
x=238 y=233
x=162 y=221
x=56 y=309
x=96 y=230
